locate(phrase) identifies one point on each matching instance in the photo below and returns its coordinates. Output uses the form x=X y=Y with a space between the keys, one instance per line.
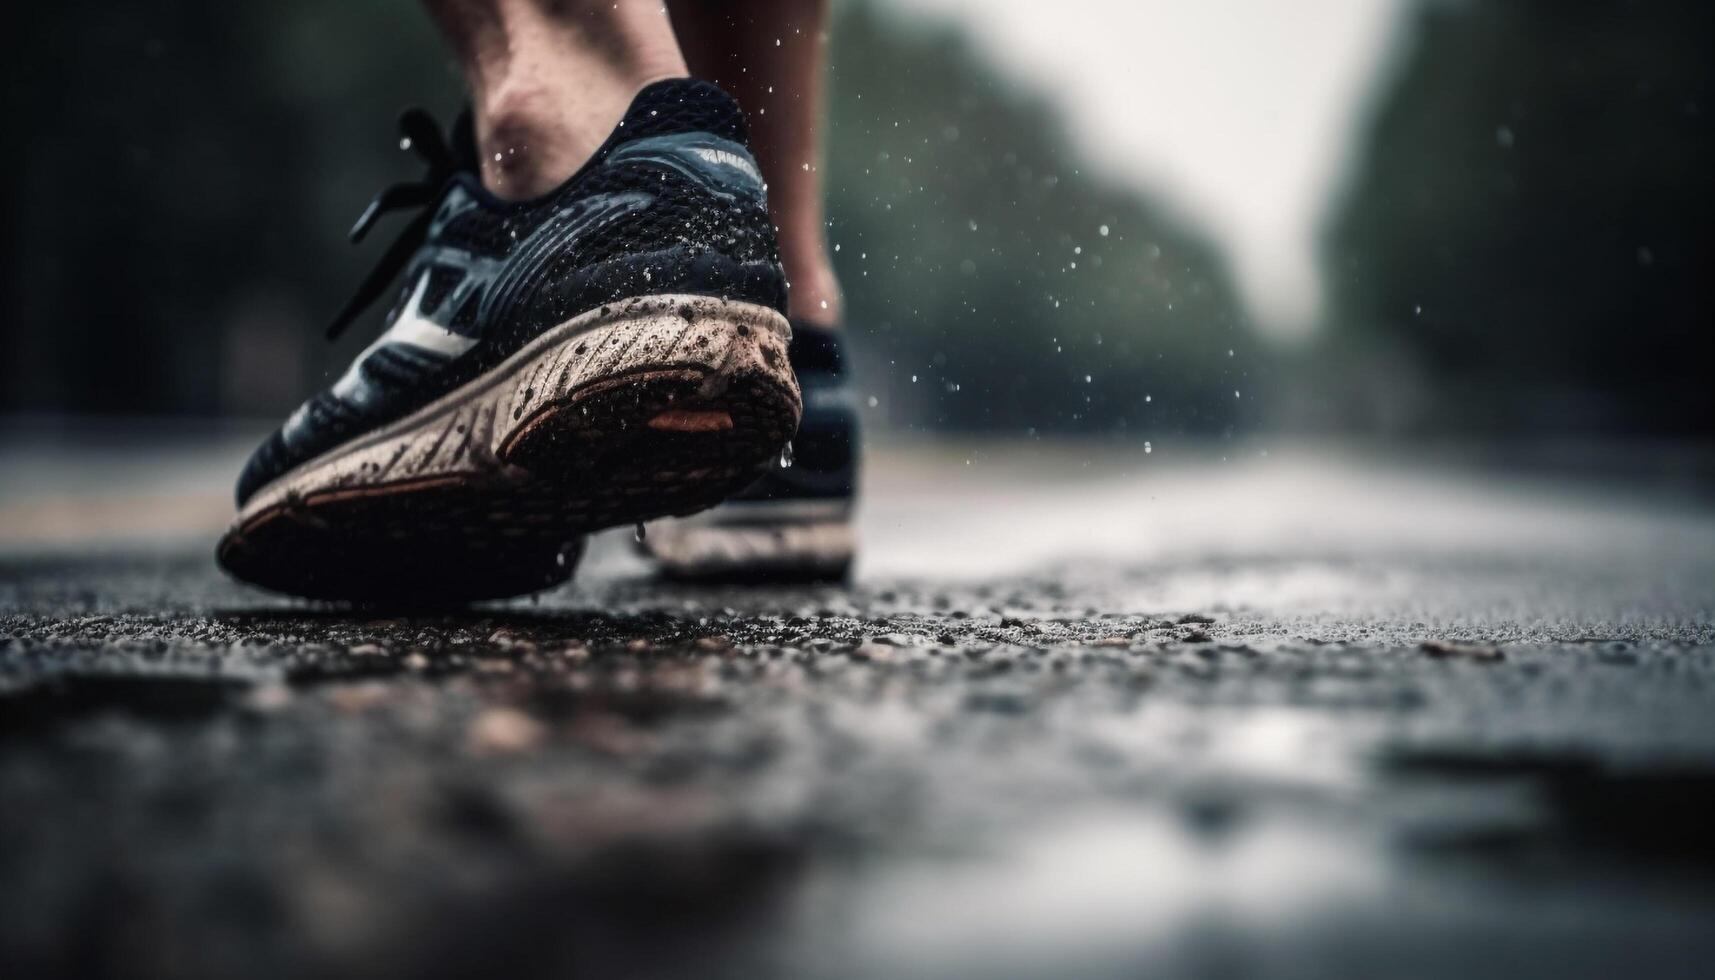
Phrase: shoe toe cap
x=268 y=461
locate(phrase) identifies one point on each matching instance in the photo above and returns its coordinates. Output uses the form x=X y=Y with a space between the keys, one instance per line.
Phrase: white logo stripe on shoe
x=412 y=328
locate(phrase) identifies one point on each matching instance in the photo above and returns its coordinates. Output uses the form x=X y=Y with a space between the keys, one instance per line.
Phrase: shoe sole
x=789 y=541
x=646 y=408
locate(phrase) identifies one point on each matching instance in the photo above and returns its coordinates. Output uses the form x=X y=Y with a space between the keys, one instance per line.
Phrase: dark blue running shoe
x=609 y=353
x=795 y=522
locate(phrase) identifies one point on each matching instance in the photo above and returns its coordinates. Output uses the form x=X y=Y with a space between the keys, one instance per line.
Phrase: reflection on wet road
x=1082 y=715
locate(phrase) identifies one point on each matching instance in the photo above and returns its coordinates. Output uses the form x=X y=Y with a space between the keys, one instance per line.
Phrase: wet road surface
x=1083 y=713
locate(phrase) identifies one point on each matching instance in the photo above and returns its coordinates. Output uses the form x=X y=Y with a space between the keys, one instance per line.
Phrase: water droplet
x=1148 y=447
x=1103 y=231
x=639 y=534
x=786 y=457
x=404 y=142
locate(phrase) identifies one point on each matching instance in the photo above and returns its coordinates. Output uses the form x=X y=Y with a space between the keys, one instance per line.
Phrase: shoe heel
x=659 y=406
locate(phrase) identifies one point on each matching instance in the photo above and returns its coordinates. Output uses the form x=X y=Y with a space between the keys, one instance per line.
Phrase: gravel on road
x=1292 y=716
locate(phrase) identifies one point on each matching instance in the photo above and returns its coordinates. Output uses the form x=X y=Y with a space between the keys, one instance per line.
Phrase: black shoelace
x=422 y=135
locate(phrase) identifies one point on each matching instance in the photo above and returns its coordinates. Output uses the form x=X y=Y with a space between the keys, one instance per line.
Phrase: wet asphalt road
x=1080 y=715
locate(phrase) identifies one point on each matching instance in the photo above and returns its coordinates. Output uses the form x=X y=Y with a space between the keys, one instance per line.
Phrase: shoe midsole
x=748 y=513
x=466 y=431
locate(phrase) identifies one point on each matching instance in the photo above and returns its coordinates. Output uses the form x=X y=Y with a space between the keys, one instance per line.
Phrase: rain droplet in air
x=1148 y=447
x=786 y=457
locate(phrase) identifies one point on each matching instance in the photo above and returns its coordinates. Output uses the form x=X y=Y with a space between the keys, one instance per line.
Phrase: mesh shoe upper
x=672 y=202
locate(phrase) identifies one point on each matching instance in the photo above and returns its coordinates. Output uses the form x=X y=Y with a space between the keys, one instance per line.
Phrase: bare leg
x=769 y=54
x=549 y=79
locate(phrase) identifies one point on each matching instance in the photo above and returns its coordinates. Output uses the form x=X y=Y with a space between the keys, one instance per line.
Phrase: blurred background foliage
x=1521 y=244
x=996 y=285
x=1525 y=241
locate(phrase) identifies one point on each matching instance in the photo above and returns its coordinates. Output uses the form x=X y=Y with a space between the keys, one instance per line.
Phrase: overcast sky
x=1238 y=114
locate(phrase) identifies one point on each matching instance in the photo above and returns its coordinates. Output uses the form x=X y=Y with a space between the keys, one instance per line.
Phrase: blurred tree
x=992 y=281
x=1526 y=241
x=178 y=190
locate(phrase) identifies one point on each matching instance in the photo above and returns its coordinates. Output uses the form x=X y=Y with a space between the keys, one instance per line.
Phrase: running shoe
x=611 y=352
x=794 y=524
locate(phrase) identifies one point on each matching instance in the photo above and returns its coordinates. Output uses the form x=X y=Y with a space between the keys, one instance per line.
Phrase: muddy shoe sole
x=651 y=407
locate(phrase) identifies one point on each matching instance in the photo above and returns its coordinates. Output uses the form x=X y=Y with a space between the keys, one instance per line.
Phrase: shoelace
x=423 y=135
